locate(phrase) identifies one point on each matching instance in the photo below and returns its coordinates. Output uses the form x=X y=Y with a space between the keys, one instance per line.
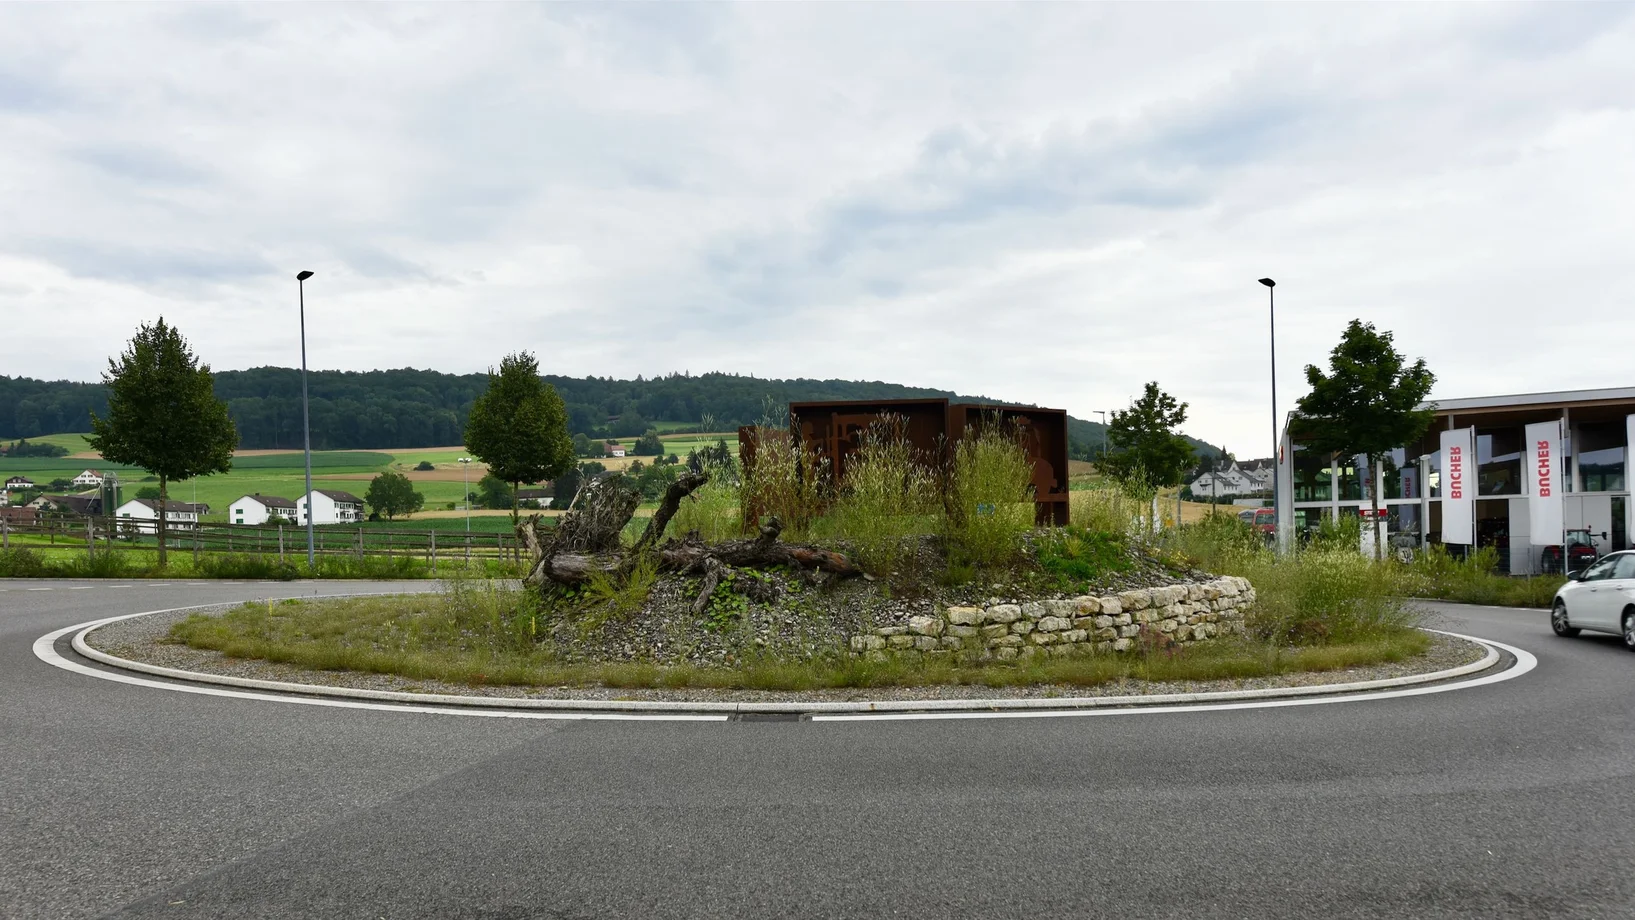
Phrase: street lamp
x=1277 y=438
x=465 y=476
x=1103 y=414
x=306 y=425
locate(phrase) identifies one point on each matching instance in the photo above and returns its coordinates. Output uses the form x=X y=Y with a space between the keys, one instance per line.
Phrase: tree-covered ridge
x=422 y=408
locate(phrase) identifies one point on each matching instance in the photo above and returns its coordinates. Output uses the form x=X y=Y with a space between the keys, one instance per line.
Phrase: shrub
x=22 y=562
x=889 y=498
x=989 y=501
x=423 y=466
x=102 y=565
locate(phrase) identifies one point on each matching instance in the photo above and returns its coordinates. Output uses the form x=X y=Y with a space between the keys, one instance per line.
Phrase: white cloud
x=1041 y=203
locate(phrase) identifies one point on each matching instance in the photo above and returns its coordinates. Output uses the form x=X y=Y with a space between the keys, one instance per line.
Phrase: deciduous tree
x=1143 y=445
x=519 y=426
x=1368 y=403
x=163 y=414
x=392 y=494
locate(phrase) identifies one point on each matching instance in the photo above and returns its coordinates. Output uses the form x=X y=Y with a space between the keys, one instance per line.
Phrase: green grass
x=478 y=633
x=64 y=561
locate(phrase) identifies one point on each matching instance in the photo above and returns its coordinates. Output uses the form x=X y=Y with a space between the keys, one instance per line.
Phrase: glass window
x=1402 y=519
x=1311 y=475
x=1600 y=570
x=1307 y=521
x=1433 y=474
x=1601 y=456
x=1399 y=474
x=1498 y=461
x=1353 y=478
x=1624 y=566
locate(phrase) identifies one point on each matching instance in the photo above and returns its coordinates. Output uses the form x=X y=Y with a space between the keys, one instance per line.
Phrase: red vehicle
x=1263 y=520
x=1581 y=553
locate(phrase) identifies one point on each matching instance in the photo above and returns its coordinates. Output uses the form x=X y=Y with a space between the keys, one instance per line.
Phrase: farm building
x=257 y=508
x=143 y=514
x=331 y=506
x=89 y=479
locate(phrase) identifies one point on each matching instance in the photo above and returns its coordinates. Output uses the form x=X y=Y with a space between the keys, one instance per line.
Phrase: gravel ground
x=141 y=639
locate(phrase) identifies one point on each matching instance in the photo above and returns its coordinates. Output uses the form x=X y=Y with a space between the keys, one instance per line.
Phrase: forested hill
x=415 y=408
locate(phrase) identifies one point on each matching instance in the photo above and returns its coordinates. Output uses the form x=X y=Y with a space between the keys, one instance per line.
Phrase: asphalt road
x=1515 y=799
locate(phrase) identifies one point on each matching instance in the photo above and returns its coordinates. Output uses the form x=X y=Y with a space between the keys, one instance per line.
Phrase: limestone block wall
x=1174 y=614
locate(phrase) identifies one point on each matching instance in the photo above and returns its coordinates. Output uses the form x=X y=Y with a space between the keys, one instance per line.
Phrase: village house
x=90 y=479
x=20 y=484
x=615 y=449
x=257 y=508
x=331 y=506
x=1247 y=479
x=142 y=514
x=69 y=505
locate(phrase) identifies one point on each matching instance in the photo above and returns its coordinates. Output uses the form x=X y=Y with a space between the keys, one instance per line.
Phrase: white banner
x=1541 y=468
x=1459 y=486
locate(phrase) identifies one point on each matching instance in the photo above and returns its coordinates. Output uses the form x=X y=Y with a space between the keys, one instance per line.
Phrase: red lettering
x=1456 y=473
x=1544 y=469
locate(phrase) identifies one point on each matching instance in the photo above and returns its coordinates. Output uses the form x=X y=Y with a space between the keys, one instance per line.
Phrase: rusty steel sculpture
x=834 y=431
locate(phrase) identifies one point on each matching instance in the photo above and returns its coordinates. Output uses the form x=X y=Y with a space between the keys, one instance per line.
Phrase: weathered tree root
x=586 y=542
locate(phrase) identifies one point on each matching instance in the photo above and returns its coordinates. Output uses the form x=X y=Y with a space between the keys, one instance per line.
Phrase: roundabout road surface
x=1515 y=799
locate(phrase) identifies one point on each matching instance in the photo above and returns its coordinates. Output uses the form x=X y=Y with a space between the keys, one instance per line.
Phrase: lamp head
x=1266 y=281
x=302 y=276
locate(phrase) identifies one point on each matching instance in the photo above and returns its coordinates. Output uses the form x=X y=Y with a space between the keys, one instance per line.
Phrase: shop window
x=1498 y=461
x=1433 y=474
x=1403 y=519
x=1307 y=522
x=1353 y=473
x=1400 y=475
x=1311 y=474
x=1601 y=457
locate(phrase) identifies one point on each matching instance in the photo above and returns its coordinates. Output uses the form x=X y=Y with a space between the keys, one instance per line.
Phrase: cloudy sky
x=1042 y=203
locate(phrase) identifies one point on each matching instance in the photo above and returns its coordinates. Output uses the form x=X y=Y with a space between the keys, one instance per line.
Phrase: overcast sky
x=1041 y=203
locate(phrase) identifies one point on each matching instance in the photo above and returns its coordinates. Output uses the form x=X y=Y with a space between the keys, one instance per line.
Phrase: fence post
x=90 y=539
x=5 y=534
x=360 y=542
x=434 y=552
x=280 y=542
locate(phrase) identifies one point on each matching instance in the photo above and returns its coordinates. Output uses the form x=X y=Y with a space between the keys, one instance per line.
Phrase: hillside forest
x=406 y=408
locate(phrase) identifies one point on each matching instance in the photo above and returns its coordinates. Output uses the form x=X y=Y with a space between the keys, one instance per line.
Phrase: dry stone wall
x=1175 y=614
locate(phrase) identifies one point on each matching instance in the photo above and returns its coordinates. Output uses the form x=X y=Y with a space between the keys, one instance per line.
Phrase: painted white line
x=116 y=586
x=81 y=588
x=1525 y=662
x=36 y=589
x=45 y=650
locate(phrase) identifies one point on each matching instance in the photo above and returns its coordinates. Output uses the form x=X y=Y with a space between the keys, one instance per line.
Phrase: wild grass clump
x=1474 y=579
x=889 y=498
x=1079 y=558
x=1219 y=543
x=617 y=595
x=989 y=500
x=365 y=567
x=1109 y=508
x=243 y=565
x=713 y=510
x=785 y=479
x=21 y=562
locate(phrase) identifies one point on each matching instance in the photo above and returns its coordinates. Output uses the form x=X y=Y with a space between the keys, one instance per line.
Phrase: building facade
x=1514 y=473
x=257 y=508
x=331 y=506
x=142 y=515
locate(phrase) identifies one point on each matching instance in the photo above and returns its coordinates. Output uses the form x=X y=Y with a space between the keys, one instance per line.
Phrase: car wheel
x=1558 y=621
x=1629 y=630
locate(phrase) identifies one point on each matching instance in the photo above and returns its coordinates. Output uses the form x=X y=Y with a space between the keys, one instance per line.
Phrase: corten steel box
x=834 y=431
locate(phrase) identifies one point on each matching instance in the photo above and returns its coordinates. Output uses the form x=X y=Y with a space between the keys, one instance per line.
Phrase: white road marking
x=81 y=587
x=1525 y=662
x=37 y=589
x=45 y=650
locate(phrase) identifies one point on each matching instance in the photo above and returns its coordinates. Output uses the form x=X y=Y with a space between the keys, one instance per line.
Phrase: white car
x=1601 y=597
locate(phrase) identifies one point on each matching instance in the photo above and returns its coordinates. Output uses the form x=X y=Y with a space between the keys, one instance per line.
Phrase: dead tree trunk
x=586 y=541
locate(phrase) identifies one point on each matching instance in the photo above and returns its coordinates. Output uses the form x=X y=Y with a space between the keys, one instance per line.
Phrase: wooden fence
x=285 y=541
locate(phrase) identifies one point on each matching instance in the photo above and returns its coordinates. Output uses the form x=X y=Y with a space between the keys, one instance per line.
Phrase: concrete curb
x=794 y=706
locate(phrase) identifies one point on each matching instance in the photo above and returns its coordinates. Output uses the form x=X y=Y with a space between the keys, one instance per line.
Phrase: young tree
x=493 y=492
x=1368 y=403
x=163 y=414
x=1144 y=448
x=649 y=445
x=519 y=426
x=392 y=494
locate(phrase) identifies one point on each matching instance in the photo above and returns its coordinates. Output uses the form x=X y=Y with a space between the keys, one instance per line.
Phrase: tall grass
x=1110 y=508
x=1473 y=580
x=889 y=498
x=712 y=510
x=989 y=501
x=786 y=479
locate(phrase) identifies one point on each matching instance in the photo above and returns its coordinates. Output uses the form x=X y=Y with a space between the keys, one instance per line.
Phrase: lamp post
x=465 y=476
x=1103 y=414
x=306 y=425
x=1277 y=437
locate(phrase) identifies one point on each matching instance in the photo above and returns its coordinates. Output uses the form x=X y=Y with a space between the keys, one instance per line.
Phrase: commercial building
x=1510 y=472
